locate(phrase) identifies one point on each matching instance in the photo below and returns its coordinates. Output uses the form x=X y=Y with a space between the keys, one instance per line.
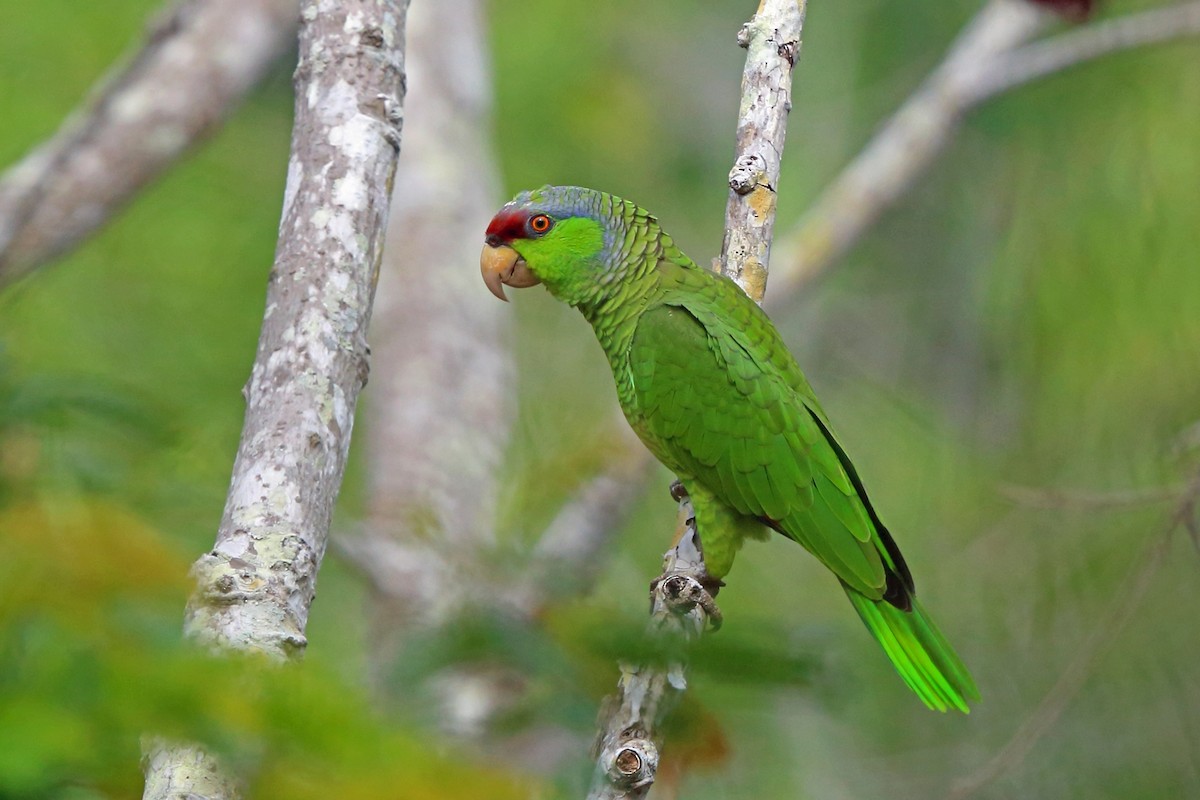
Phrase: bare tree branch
x=255 y=587
x=905 y=145
x=627 y=746
x=772 y=39
x=440 y=421
x=1042 y=58
x=175 y=770
x=198 y=59
x=992 y=55
x=630 y=737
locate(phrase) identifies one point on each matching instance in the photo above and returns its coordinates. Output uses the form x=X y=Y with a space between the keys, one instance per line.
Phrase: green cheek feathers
x=566 y=257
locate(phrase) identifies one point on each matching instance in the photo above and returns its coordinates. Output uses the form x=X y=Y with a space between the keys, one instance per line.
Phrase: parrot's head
x=565 y=237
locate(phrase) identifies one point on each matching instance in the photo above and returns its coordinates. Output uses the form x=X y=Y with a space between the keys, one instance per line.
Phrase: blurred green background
x=1028 y=318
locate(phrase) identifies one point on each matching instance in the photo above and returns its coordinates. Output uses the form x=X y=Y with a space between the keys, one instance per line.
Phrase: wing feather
x=723 y=413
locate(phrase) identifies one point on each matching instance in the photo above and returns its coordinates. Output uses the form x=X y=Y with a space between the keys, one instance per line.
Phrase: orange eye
x=539 y=224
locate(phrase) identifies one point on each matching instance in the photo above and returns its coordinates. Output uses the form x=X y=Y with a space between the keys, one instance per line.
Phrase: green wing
x=725 y=404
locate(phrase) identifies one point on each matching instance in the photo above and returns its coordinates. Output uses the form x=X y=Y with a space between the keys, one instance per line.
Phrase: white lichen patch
x=339 y=283
x=337 y=105
x=339 y=226
x=319 y=413
x=259 y=493
x=354 y=22
x=391 y=27
x=180 y=52
x=235 y=546
x=341 y=410
x=357 y=137
x=321 y=340
x=168 y=139
x=350 y=192
x=281 y=359
x=342 y=228
x=129 y=107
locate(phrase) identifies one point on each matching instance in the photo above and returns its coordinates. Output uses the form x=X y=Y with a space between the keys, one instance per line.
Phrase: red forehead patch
x=507 y=225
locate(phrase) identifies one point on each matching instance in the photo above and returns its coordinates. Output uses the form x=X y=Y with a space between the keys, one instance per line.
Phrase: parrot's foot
x=679 y=492
x=681 y=593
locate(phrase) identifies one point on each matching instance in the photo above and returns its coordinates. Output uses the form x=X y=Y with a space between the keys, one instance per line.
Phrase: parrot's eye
x=540 y=223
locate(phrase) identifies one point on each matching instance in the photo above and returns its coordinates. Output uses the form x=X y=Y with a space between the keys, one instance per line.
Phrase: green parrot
x=710 y=388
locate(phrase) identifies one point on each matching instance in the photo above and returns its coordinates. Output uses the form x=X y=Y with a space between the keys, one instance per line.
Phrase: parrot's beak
x=502 y=265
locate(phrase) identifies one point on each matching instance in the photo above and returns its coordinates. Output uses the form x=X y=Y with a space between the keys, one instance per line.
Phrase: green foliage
x=87 y=668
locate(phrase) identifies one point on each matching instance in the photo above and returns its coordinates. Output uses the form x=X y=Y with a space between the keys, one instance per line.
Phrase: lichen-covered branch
x=772 y=39
x=627 y=745
x=198 y=59
x=995 y=52
x=175 y=770
x=629 y=739
x=254 y=588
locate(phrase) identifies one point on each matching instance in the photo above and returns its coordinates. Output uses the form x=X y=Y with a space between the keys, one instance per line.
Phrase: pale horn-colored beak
x=502 y=265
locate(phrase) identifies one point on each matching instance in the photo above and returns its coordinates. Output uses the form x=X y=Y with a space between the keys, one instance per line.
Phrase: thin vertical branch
x=772 y=41
x=255 y=586
x=630 y=738
x=628 y=743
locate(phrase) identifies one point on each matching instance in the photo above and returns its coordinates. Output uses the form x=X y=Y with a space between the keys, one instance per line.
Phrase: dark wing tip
x=896 y=592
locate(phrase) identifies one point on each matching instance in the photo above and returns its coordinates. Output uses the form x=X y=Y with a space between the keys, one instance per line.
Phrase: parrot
x=710 y=388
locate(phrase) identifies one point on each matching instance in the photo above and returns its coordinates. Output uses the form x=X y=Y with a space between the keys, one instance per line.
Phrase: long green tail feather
x=922 y=656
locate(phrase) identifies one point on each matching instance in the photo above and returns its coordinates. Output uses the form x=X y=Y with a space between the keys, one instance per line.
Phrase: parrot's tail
x=919 y=652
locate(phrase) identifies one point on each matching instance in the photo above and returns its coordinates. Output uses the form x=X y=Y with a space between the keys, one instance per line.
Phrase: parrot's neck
x=615 y=319
x=615 y=333
x=635 y=283
x=613 y=316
